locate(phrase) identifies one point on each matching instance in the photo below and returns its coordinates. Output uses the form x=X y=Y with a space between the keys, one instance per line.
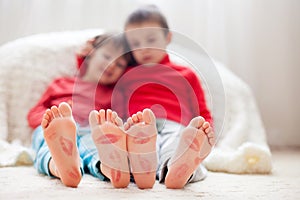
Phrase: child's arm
x=35 y=114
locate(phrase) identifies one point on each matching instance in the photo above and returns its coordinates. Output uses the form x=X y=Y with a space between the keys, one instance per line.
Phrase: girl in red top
x=92 y=88
x=64 y=148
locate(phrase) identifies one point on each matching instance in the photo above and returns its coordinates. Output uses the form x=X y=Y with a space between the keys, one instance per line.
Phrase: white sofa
x=28 y=64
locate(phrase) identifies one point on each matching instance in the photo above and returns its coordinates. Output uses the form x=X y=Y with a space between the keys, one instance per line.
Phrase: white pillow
x=27 y=66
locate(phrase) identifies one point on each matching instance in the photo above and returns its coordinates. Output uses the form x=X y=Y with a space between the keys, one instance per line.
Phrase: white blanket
x=29 y=64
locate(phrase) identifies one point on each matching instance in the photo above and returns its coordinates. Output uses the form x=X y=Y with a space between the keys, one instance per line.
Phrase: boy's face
x=105 y=65
x=148 y=42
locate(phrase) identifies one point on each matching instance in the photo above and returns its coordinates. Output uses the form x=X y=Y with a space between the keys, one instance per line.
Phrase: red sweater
x=173 y=92
x=84 y=97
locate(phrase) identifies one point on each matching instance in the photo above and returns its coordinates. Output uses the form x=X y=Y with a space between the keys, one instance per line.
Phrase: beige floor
x=283 y=183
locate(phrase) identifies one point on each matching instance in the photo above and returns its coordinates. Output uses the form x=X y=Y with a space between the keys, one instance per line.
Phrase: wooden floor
x=283 y=183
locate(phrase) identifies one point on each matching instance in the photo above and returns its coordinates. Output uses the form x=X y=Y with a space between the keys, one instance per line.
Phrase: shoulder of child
x=187 y=72
x=183 y=68
x=63 y=79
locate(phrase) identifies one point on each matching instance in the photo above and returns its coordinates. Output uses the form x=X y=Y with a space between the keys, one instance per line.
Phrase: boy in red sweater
x=172 y=135
x=64 y=148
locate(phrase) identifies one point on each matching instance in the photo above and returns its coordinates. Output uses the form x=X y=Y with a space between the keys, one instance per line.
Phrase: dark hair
x=147 y=13
x=117 y=40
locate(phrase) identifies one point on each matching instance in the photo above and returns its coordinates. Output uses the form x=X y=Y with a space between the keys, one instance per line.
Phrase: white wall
x=258 y=40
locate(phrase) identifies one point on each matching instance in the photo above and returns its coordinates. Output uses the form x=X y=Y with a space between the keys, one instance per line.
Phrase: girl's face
x=105 y=65
x=148 y=42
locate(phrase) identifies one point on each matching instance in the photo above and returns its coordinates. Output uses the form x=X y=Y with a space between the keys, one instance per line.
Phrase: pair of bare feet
x=123 y=148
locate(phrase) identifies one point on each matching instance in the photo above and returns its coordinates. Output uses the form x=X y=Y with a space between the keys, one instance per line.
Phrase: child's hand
x=86 y=48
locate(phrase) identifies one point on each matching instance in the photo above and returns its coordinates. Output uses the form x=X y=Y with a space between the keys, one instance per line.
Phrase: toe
x=48 y=115
x=114 y=115
x=65 y=109
x=148 y=116
x=207 y=130
x=116 y=119
x=206 y=125
x=109 y=115
x=44 y=123
x=197 y=122
x=211 y=138
x=126 y=126
x=55 y=111
x=102 y=116
x=130 y=121
x=139 y=116
x=135 y=118
x=94 y=118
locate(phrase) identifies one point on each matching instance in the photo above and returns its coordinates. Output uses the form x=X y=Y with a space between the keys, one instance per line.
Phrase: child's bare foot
x=141 y=146
x=60 y=135
x=110 y=141
x=195 y=144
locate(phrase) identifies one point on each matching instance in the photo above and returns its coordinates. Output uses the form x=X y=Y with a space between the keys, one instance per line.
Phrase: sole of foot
x=141 y=145
x=60 y=136
x=110 y=140
x=195 y=144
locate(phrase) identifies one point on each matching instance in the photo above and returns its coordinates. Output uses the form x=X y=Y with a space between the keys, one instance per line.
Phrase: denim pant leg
x=41 y=149
x=89 y=154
